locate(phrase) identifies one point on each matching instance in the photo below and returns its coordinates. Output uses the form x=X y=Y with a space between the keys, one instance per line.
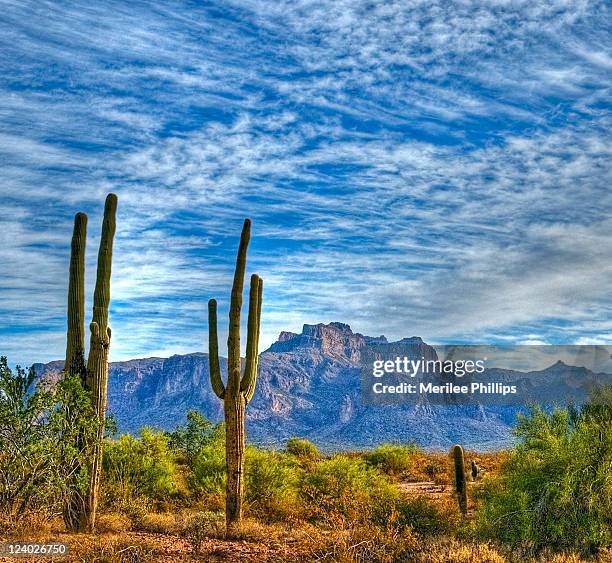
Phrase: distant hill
x=309 y=385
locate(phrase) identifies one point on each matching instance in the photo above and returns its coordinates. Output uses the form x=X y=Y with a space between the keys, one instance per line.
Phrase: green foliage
x=345 y=489
x=188 y=440
x=27 y=458
x=208 y=468
x=37 y=453
x=302 y=448
x=272 y=483
x=141 y=467
x=556 y=488
x=393 y=459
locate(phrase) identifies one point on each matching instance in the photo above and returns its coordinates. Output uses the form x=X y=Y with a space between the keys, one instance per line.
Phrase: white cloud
x=411 y=167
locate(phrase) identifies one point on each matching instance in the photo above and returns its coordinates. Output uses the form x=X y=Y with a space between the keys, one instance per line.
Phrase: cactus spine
x=460 y=479
x=239 y=389
x=80 y=513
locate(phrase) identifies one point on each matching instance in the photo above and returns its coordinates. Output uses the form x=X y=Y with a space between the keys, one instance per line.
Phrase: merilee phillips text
x=448 y=388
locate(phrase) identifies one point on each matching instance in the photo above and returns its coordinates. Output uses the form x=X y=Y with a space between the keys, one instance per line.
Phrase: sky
x=429 y=168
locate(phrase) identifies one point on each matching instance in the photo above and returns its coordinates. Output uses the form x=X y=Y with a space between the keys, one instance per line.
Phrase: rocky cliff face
x=309 y=385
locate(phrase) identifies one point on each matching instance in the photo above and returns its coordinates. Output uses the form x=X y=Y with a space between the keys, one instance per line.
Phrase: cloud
x=411 y=167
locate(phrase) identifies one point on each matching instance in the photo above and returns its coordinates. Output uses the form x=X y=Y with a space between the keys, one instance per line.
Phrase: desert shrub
x=425 y=517
x=271 y=483
x=436 y=470
x=139 y=468
x=27 y=456
x=188 y=440
x=201 y=526
x=393 y=459
x=302 y=448
x=363 y=542
x=556 y=487
x=344 y=490
x=38 y=425
x=208 y=468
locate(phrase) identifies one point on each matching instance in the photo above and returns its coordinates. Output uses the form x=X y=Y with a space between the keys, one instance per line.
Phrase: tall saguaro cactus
x=80 y=513
x=460 y=479
x=97 y=363
x=240 y=388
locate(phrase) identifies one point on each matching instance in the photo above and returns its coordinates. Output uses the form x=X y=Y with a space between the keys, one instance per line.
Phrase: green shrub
x=302 y=448
x=556 y=488
x=189 y=439
x=344 y=490
x=271 y=483
x=393 y=459
x=208 y=468
x=39 y=421
x=139 y=468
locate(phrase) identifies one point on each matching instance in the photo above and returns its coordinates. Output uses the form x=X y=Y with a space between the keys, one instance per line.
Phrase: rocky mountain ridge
x=308 y=385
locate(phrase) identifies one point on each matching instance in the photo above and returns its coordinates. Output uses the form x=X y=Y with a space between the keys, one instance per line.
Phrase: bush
x=208 y=468
x=556 y=488
x=204 y=525
x=436 y=470
x=363 y=542
x=345 y=490
x=271 y=483
x=424 y=517
x=39 y=423
x=188 y=440
x=139 y=468
x=302 y=448
x=393 y=459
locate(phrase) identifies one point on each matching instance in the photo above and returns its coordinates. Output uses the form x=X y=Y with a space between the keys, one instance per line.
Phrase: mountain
x=309 y=386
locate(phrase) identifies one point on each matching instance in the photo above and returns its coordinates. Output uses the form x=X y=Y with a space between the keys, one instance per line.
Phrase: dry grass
x=116 y=550
x=166 y=523
x=456 y=552
x=169 y=540
x=113 y=522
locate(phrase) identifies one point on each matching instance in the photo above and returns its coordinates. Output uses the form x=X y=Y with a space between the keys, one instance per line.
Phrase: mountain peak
x=333 y=339
x=322 y=327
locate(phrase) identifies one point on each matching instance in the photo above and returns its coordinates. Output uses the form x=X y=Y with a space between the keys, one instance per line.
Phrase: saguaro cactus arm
x=75 y=346
x=105 y=260
x=249 y=379
x=213 y=351
x=233 y=339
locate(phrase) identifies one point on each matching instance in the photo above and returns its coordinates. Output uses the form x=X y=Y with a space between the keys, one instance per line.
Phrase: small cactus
x=460 y=479
x=475 y=471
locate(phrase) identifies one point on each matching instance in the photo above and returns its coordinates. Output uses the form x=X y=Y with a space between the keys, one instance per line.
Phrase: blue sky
x=425 y=168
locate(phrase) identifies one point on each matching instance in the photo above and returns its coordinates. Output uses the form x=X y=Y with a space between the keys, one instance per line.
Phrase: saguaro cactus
x=97 y=363
x=460 y=479
x=80 y=513
x=239 y=389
